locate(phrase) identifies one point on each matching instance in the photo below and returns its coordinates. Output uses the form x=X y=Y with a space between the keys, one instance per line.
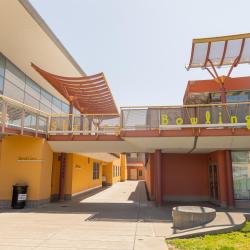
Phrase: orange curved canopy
x=88 y=94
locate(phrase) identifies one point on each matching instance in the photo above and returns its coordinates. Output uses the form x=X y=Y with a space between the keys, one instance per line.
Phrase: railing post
x=22 y=121
x=81 y=124
x=70 y=127
x=159 y=119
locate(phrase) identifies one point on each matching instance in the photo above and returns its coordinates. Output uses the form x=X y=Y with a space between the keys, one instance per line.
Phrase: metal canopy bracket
x=213 y=53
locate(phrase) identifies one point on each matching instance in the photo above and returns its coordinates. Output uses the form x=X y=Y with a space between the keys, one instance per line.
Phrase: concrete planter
x=191 y=216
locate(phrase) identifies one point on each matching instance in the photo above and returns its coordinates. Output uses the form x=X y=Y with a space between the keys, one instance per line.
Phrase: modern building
x=61 y=133
x=27 y=103
x=136 y=166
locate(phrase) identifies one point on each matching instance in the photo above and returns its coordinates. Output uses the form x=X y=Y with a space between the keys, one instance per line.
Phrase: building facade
x=28 y=101
x=62 y=135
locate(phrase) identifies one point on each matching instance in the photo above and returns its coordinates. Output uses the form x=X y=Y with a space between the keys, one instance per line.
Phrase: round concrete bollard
x=192 y=216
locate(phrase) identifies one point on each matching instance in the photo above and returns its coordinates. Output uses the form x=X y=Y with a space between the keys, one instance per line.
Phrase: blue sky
x=142 y=46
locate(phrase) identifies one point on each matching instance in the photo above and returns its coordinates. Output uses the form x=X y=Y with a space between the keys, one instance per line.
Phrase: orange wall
x=185 y=176
x=149 y=176
x=124 y=170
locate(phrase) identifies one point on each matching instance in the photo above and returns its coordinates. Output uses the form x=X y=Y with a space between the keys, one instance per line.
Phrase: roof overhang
x=25 y=38
x=220 y=51
x=89 y=94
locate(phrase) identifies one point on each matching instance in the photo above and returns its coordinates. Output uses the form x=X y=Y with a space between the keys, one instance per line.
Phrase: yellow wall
x=82 y=173
x=35 y=173
x=78 y=174
x=108 y=172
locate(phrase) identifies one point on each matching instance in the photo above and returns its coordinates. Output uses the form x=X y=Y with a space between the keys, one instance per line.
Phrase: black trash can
x=19 y=196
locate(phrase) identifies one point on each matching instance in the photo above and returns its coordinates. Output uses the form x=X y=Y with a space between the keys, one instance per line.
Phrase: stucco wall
x=185 y=177
x=25 y=160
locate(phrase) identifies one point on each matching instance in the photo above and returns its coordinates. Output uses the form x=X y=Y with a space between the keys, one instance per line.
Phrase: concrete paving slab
x=118 y=217
x=149 y=243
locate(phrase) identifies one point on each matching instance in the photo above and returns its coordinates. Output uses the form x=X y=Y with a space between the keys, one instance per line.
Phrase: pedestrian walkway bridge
x=181 y=129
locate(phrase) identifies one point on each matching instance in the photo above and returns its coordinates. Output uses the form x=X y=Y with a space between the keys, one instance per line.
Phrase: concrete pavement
x=118 y=217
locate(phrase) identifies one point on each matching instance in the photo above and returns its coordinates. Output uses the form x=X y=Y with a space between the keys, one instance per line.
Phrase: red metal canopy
x=88 y=94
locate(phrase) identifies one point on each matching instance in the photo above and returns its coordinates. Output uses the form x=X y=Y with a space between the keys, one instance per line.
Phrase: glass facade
x=18 y=86
x=238 y=96
x=241 y=174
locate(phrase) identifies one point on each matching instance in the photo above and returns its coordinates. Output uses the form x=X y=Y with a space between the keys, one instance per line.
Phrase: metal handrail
x=17 y=115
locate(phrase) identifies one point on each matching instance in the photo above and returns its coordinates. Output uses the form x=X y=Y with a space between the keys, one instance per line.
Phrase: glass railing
x=189 y=116
x=84 y=124
x=16 y=117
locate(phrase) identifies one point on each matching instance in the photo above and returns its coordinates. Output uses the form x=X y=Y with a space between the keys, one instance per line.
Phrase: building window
x=115 y=171
x=140 y=173
x=241 y=174
x=2 y=65
x=96 y=169
x=18 y=86
x=238 y=96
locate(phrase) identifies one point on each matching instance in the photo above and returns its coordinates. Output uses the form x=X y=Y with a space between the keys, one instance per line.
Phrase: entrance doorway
x=133 y=174
x=213 y=183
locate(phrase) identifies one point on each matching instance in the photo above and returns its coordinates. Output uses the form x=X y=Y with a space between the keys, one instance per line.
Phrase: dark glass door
x=213 y=182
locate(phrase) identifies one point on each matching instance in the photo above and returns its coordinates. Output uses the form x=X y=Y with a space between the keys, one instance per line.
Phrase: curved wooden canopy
x=88 y=94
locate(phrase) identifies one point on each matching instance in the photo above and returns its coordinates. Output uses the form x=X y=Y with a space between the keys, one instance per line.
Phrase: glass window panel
x=2 y=64
x=30 y=120
x=56 y=110
x=241 y=174
x=65 y=108
x=57 y=103
x=15 y=75
x=45 y=108
x=32 y=88
x=14 y=115
x=31 y=101
x=75 y=111
x=13 y=91
x=238 y=96
x=46 y=95
x=1 y=84
x=46 y=98
x=42 y=123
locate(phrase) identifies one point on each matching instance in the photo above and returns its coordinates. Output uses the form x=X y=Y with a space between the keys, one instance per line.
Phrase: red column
x=62 y=176
x=157 y=173
x=229 y=176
